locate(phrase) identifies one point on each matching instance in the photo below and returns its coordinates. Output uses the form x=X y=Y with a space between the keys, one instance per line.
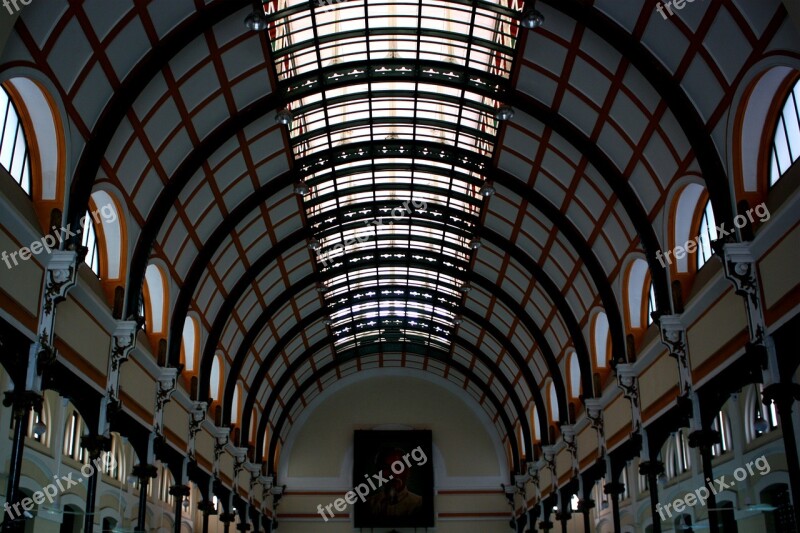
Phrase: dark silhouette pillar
x=145 y=473
x=95 y=445
x=614 y=489
x=208 y=509
x=653 y=469
x=704 y=440
x=21 y=403
x=784 y=395
x=179 y=492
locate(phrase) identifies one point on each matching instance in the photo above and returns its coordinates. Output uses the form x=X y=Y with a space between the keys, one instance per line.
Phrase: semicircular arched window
x=785 y=148
x=14 y=154
x=89 y=241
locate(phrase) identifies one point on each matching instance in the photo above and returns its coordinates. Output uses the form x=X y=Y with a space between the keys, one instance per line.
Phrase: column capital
x=207 y=507
x=615 y=488
x=646 y=467
x=584 y=506
x=96 y=444
x=227 y=518
x=545 y=525
x=704 y=438
x=23 y=401
x=144 y=471
x=179 y=490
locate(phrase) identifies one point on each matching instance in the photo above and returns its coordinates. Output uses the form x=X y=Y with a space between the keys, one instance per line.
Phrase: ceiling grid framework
x=171 y=105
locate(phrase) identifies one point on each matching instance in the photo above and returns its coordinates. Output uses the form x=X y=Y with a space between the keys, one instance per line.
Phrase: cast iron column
x=21 y=403
x=705 y=439
x=95 y=445
x=144 y=473
x=178 y=492
x=653 y=469
x=614 y=489
x=784 y=395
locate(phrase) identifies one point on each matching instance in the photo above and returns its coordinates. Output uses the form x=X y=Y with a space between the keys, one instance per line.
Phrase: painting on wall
x=393 y=479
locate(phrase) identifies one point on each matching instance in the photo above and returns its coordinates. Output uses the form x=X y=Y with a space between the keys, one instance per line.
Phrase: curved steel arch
x=435 y=354
x=318 y=314
x=668 y=88
x=313 y=350
x=122 y=99
x=301 y=284
x=235 y=294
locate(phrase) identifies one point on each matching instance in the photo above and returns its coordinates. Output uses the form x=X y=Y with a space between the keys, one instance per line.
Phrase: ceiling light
x=487 y=189
x=465 y=288
x=321 y=287
x=313 y=243
x=284 y=116
x=761 y=425
x=256 y=21
x=301 y=188
x=328 y=321
x=475 y=243
x=504 y=112
x=457 y=320
x=531 y=19
x=185 y=503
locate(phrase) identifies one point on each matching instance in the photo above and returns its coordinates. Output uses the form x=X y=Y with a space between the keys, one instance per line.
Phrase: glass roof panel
x=393 y=107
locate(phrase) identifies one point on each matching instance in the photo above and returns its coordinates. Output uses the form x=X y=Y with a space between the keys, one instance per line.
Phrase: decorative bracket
x=167 y=383
x=594 y=412
x=59 y=277
x=221 y=439
x=673 y=336
x=123 y=341
x=196 y=417
x=569 y=435
x=628 y=382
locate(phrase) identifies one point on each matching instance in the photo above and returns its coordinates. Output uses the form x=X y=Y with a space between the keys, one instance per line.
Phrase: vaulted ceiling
x=393 y=150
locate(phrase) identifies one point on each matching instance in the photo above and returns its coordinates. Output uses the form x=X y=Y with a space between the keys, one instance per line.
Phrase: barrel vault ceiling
x=393 y=150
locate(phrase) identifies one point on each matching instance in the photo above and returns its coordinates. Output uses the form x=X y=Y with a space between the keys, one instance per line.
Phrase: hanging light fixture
x=487 y=189
x=321 y=288
x=504 y=112
x=465 y=288
x=475 y=243
x=761 y=425
x=39 y=428
x=185 y=504
x=531 y=19
x=284 y=116
x=328 y=321
x=301 y=188
x=256 y=21
x=313 y=244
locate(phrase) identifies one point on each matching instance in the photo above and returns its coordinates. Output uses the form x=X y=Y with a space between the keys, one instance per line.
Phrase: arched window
x=553 y=403
x=237 y=394
x=253 y=425
x=156 y=295
x=651 y=303
x=113 y=460
x=537 y=431
x=190 y=347
x=89 y=241
x=14 y=155
x=216 y=378
x=678 y=456
x=574 y=376
x=601 y=340
x=722 y=426
x=705 y=235
x=785 y=148
x=521 y=438
x=72 y=437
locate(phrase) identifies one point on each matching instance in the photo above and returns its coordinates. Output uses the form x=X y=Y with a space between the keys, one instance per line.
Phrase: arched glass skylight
x=786 y=141
x=14 y=155
x=392 y=107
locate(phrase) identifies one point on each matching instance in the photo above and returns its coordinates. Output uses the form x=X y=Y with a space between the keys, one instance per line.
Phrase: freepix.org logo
x=104 y=463
x=15 y=3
